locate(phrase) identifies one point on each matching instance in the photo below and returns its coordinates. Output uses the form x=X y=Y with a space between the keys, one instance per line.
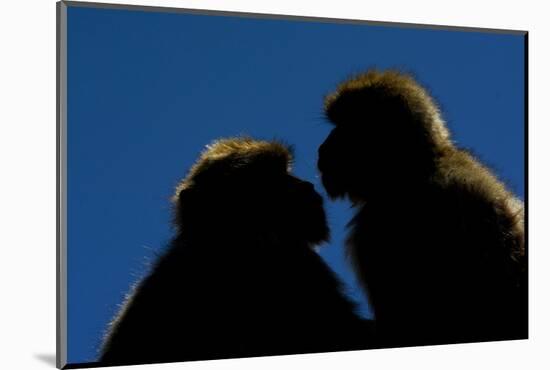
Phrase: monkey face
x=365 y=148
x=361 y=159
x=342 y=161
x=304 y=211
x=387 y=133
x=285 y=206
x=329 y=164
x=258 y=200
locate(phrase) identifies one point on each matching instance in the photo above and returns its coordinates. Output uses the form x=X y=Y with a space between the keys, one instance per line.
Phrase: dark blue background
x=146 y=92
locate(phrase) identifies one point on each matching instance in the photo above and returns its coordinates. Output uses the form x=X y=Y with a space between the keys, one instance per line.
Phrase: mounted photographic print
x=238 y=185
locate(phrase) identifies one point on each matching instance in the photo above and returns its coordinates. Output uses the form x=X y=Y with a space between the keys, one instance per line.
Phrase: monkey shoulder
x=465 y=184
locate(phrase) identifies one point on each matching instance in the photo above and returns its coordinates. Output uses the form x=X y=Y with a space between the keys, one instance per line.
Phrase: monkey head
x=242 y=186
x=387 y=131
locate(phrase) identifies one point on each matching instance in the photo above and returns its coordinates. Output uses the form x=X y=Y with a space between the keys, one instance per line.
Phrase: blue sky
x=147 y=91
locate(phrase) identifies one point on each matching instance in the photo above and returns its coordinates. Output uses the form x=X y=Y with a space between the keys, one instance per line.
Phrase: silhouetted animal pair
x=437 y=243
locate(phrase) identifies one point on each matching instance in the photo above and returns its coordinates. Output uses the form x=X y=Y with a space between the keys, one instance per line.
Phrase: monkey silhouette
x=241 y=276
x=437 y=241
